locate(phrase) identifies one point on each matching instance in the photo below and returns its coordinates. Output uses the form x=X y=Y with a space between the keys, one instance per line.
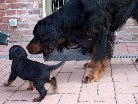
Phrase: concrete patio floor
x=118 y=85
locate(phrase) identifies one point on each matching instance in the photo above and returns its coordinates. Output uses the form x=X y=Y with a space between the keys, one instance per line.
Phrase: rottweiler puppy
x=37 y=73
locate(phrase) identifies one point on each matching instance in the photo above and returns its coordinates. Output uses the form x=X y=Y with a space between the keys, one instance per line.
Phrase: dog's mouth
x=34 y=48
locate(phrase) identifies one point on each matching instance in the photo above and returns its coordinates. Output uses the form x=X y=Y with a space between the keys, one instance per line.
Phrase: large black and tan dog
x=101 y=18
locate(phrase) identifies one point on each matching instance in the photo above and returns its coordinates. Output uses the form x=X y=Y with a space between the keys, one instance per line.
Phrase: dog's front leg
x=98 y=51
x=8 y=83
x=91 y=64
x=99 y=67
x=105 y=64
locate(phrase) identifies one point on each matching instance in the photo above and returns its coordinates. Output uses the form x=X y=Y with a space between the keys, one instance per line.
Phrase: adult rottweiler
x=101 y=19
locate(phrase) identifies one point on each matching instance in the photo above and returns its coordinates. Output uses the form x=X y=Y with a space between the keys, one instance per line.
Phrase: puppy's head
x=16 y=51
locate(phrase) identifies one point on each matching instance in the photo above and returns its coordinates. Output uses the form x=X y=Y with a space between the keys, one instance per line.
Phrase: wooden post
x=48 y=7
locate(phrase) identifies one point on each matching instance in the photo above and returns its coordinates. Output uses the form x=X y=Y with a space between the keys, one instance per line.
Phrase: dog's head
x=45 y=39
x=34 y=47
x=16 y=51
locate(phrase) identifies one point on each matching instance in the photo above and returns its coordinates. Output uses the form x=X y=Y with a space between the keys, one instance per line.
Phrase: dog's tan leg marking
x=105 y=64
x=51 y=76
x=8 y=83
x=31 y=86
x=94 y=74
x=54 y=83
x=91 y=64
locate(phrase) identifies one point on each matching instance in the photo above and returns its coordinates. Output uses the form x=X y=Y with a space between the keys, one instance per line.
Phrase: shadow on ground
x=68 y=55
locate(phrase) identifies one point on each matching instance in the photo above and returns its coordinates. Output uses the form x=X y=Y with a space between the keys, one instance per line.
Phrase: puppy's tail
x=53 y=67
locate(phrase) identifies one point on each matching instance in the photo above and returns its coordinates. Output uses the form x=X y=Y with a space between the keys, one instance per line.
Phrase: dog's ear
x=17 y=51
x=21 y=52
x=46 y=30
x=24 y=54
x=11 y=54
x=48 y=47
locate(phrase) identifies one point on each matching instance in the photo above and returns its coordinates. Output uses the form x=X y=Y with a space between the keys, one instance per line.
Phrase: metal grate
x=4 y=57
x=56 y=4
x=35 y=56
x=125 y=56
x=30 y=56
x=41 y=56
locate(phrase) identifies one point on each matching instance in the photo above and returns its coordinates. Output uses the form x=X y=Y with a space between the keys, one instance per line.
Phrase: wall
x=129 y=32
x=27 y=12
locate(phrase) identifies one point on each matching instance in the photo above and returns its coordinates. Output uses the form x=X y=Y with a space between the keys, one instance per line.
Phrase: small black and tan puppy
x=37 y=73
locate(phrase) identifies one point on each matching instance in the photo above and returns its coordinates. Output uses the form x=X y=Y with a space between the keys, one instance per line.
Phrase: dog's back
x=28 y=69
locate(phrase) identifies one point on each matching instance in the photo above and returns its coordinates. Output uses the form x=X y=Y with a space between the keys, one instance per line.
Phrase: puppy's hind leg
x=39 y=85
x=54 y=83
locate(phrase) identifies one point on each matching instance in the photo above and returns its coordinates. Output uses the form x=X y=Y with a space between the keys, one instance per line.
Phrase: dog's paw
x=136 y=60
x=88 y=65
x=90 y=80
x=37 y=99
x=5 y=84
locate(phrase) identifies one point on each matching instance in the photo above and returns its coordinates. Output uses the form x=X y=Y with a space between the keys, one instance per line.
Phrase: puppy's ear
x=24 y=53
x=11 y=55
x=21 y=52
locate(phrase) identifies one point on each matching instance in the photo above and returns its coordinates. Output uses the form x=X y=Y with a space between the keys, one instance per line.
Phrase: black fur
x=50 y=29
x=33 y=71
x=105 y=17
x=85 y=45
x=77 y=36
x=100 y=18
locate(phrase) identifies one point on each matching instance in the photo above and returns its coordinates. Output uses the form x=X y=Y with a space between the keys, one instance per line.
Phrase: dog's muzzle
x=34 y=48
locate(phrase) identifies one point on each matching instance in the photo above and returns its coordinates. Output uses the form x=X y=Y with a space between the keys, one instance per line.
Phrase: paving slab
x=118 y=85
